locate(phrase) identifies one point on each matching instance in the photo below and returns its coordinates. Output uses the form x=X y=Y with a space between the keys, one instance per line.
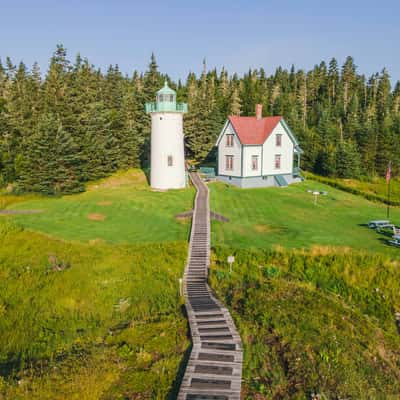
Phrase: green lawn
x=287 y=217
x=120 y=209
x=89 y=293
x=90 y=309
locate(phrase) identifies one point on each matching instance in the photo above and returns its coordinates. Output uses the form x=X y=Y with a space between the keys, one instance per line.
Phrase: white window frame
x=276 y=162
x=170 y=161
x=229 y=162
x=229 y=140
x=254 y=162
x=278 y=140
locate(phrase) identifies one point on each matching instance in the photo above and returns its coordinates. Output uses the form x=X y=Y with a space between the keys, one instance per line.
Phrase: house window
x=254 y=163
x=278 y=140
x=229 y=163
x=277 y=161
x=229 y=140
x=170 y=161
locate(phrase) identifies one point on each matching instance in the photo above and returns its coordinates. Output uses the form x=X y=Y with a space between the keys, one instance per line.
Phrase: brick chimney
x=258 y=111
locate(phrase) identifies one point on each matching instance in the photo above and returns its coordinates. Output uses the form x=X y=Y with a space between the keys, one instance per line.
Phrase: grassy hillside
x=261 y=218
x=375 y=189
x=89 y=303
x=88 y=321
x=120 y=209
x=318 y=322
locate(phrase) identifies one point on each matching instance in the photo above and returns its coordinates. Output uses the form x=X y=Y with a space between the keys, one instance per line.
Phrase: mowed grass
x=120 y=209
x=261 y=218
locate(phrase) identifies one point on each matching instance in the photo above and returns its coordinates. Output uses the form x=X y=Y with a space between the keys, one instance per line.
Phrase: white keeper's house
x=258 y=152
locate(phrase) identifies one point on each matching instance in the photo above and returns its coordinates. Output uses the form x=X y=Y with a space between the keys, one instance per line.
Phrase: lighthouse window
x=170 y=161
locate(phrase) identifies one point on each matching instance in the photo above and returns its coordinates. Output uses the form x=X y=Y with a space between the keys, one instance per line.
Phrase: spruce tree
x=348 y=162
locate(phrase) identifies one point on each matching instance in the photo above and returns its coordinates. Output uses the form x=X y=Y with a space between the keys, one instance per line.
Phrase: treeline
x=76 y=123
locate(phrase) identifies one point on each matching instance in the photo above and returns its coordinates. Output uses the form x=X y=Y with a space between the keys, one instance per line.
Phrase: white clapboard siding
x=234 y=151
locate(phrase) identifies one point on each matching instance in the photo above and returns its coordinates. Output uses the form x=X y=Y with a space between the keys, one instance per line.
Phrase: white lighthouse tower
x=167 y=170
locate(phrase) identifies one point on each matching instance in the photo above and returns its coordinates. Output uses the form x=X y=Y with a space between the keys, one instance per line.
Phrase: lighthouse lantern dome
x=166 y=102
x=166 y=94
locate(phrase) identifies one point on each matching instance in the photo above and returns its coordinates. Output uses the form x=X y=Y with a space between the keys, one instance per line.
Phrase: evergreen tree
x=77 y=123
x=348 y=162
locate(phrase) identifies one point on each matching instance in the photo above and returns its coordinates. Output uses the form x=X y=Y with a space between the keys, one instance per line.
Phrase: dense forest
x=76 y=123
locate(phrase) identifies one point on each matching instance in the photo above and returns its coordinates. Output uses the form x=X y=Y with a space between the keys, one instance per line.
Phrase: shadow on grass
x=147 y=174
x=10 y=368
x=385 y=242
x=173 y=394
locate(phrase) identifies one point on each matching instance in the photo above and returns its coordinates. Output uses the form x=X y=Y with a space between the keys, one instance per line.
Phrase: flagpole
x=388 y=204
x=388 y=179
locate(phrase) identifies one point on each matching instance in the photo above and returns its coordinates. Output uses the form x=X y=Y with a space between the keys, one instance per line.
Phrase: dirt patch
x=184 y=215
x=264 y=228
x=96 y=217
x=16 y=212
x=96 y=241
x=104 y=203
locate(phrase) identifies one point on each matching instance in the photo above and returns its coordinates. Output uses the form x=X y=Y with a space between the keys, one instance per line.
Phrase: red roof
x=252 y=130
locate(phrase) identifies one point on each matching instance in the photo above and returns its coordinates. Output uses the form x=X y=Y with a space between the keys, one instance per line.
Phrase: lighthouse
x=167 y=169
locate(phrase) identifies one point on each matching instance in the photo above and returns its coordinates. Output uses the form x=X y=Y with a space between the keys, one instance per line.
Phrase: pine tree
x=86 y=124
x=235 y=102
x=50 y=163
x=348 y=162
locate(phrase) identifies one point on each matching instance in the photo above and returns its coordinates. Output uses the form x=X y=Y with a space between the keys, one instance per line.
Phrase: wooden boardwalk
x=214 y=370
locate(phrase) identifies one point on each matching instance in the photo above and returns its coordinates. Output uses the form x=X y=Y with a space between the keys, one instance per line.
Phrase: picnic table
x=395 y=241
x=380 y=224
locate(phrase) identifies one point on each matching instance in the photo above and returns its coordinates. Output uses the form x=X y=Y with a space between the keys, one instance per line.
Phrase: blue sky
x=235 y=34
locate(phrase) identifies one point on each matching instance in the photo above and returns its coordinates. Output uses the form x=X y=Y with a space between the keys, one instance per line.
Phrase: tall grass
x=62 y=303
x=314 y=322
x=374 y=190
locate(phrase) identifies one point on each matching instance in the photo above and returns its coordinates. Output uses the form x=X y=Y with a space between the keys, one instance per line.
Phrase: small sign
x=230 y=260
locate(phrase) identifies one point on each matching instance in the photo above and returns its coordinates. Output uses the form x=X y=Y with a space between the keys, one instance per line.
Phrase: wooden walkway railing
x=214 y=370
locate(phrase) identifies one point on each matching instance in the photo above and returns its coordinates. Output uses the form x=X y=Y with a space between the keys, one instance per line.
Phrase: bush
x=336 y=183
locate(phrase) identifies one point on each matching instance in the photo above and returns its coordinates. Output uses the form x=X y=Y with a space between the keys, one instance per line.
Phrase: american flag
x=389 y=172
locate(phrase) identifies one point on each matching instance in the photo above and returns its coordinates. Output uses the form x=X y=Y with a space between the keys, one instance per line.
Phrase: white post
x=230 y=260
x=316 y=194
x=180 y=286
